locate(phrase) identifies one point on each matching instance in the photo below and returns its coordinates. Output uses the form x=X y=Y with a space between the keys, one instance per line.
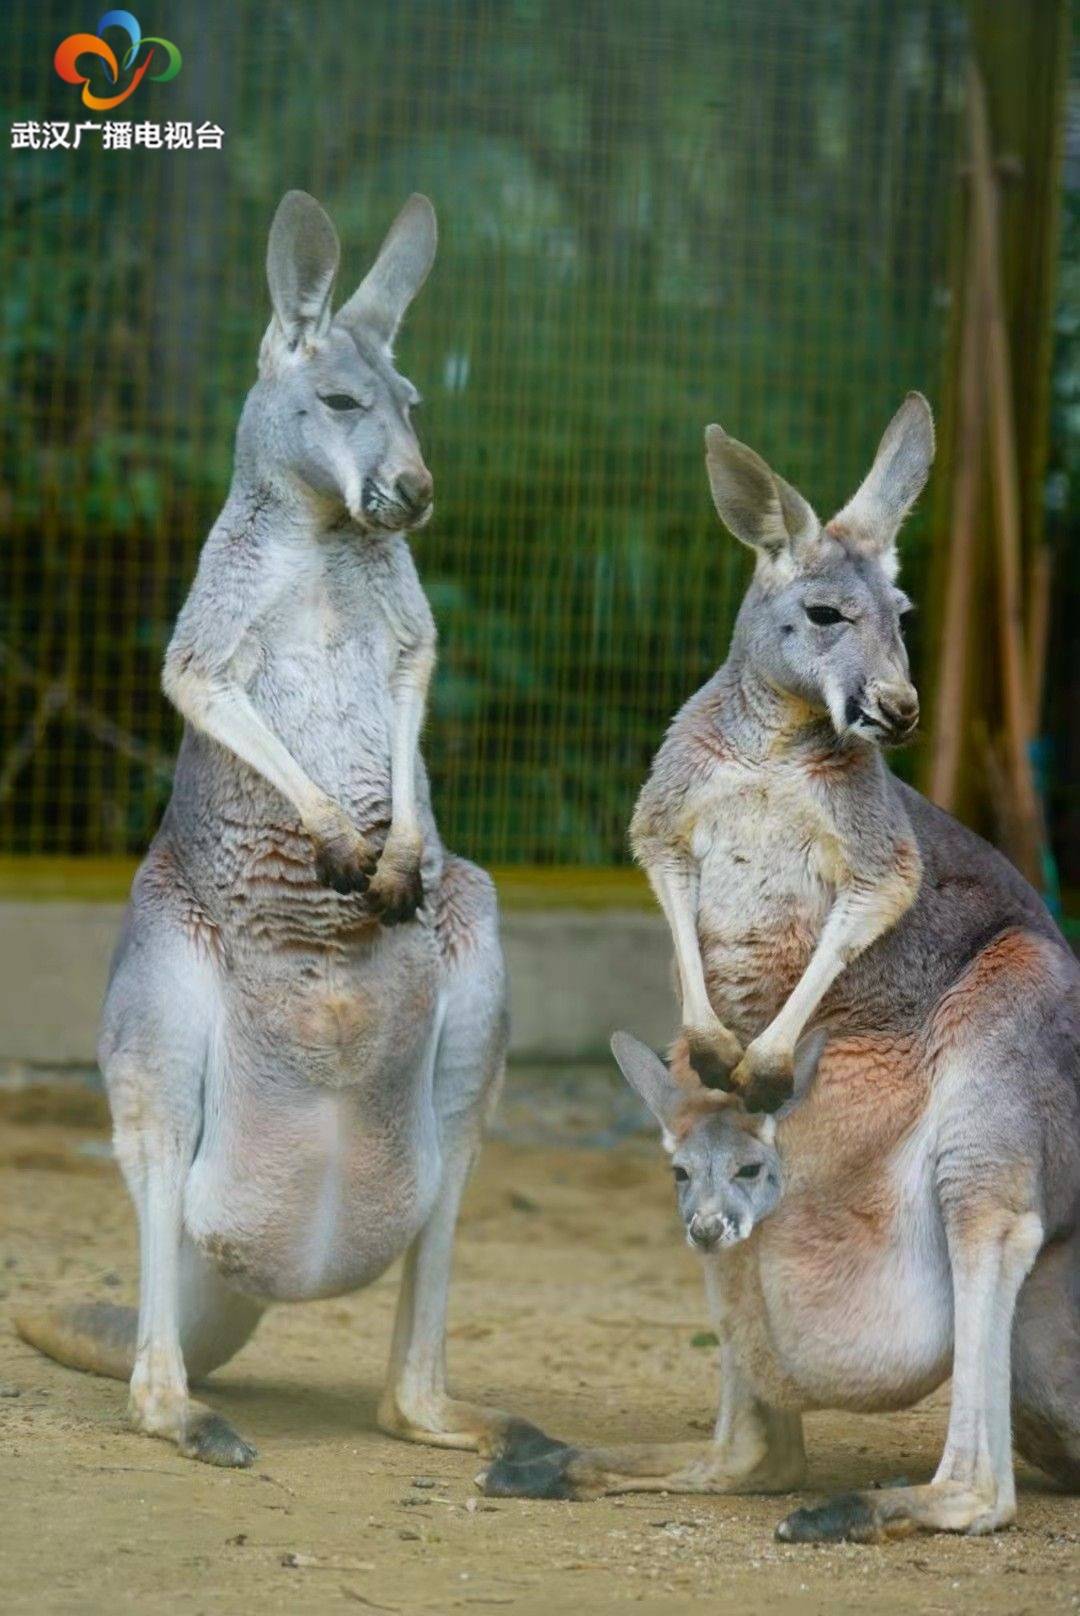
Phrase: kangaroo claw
x=713 y=1059
x=396 y=891
x=345 y=860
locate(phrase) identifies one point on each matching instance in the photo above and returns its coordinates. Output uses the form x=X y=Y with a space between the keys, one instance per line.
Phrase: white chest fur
x=770 y=859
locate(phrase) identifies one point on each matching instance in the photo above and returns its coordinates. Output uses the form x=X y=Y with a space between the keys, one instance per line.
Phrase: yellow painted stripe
x=41 y=878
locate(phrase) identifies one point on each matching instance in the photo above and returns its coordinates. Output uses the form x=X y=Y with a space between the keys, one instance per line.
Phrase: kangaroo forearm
x=224 y=711
x=409 y=698
x=676 y=887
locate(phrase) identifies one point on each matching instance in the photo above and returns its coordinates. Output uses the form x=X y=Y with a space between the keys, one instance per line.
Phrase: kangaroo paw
x=712 y=1056
x=345 y=860
x=396 y=891
x=764 y=1081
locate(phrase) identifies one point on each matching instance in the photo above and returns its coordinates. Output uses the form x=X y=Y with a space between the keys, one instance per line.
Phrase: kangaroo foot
x=445 y=1422
x=891 y=1512
x=211 y=1439
x=197 y=1431
x=530 y=1464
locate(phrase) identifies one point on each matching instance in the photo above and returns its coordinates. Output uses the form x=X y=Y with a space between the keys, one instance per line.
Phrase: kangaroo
x=840 y=939
x=305 y=1024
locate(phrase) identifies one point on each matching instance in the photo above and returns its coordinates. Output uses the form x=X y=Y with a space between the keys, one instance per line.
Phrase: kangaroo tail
x=1054 y=1448
x=98 y=1337
x=1046 y=1364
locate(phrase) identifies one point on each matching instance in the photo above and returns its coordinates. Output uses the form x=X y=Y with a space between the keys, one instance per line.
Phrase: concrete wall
x=575 y=976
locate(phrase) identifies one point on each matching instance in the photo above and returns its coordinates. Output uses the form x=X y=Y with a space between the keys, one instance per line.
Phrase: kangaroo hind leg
x=755 y=1448
x=158 y=1047
x=468 y=1054
x=991 y=1251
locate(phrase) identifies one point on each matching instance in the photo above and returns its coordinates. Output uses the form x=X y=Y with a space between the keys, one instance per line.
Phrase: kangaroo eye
x=751 y=1170
x=340 y=401
x=681 y=1175
x=824 y=615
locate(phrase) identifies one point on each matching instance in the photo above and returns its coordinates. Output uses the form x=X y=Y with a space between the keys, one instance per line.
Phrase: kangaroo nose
x=415 y=488
x=900 y=707
x=703 y=1231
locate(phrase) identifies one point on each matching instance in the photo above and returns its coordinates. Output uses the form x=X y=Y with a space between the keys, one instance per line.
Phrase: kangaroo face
x=726 y=1166
x=832 y=638
x=727 y=1178
x=821 y=619
x=329 y=412
x=341 y=415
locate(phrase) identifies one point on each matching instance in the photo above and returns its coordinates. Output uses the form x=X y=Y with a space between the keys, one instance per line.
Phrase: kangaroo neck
x=273 y=507
x=761 y=722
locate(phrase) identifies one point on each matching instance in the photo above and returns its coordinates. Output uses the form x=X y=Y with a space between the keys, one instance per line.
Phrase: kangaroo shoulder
x=685 y=771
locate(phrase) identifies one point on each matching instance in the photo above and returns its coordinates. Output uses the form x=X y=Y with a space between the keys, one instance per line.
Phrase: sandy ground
x=574 y=1304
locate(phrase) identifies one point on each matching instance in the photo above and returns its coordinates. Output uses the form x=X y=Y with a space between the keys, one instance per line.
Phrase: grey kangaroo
x=305 y=1024
x=835 y=932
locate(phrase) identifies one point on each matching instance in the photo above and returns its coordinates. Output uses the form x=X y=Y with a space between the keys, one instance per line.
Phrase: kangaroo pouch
x=319 y=1157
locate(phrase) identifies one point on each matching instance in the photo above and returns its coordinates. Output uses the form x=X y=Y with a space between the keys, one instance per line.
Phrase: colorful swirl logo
x=77 y=46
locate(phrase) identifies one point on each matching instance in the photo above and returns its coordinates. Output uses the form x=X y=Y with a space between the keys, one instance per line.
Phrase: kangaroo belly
x=318 y=1161
x=855 y=1286
x=307 y=1201
x=862 y=1330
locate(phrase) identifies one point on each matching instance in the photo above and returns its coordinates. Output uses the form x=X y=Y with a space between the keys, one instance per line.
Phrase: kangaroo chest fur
x=769 y=855
x=318 y=666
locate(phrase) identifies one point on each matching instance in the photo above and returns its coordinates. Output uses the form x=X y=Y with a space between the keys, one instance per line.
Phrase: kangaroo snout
x=709 y=1229
x=414 y=489
x=898 y=705
x=892 y=709
x=403 y=501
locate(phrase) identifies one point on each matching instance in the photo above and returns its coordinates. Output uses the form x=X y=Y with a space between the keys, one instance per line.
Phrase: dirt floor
x=575 y=1304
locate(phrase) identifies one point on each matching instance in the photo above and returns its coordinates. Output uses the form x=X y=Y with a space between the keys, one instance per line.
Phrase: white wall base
x=575 y=976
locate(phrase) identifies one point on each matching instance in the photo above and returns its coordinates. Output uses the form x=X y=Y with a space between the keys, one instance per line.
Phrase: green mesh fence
x=652 y=215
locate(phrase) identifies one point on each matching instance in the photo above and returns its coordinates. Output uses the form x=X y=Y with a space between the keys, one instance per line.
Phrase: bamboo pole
x=1027 y=841
x=1038 y=631
x=967 y=460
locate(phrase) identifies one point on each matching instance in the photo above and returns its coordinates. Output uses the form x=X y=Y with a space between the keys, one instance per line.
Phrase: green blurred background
x=652 y=215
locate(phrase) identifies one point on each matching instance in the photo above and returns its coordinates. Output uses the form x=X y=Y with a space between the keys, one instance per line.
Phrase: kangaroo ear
x=402 y=267
x=871 y=519
x=301 y=262
x=758 y=506
x=647 y=1076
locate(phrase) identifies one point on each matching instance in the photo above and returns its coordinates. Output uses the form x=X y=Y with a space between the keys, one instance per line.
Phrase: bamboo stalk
x=956 y=617
x=1027 y=843
x=1038 y=631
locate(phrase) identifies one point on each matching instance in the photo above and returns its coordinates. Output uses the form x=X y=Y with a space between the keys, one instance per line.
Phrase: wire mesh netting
x=651 y=217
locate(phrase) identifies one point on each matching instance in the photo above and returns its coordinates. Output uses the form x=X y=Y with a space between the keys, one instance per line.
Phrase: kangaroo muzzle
x=708 y=1229
x=890 y=708
x=401 y=500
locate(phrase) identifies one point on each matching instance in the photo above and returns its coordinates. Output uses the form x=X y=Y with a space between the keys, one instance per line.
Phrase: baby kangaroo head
x=821 y=620
x=329 y=412
x=725 y=1161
